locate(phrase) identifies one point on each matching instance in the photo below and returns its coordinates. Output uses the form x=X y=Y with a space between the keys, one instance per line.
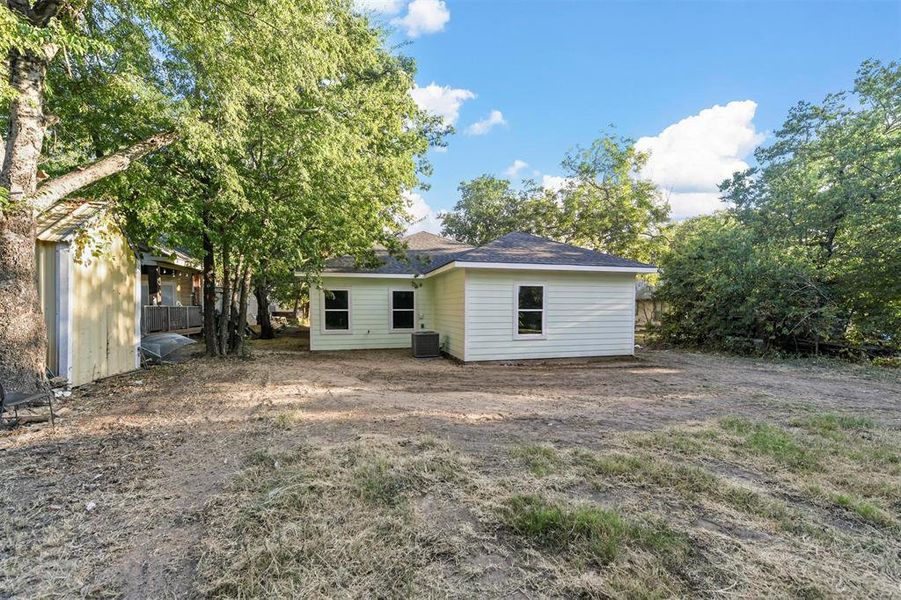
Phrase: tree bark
x=233 y=310
x=23 y=335
x=242 y=313
x=226 y=301
x=264 y=319
x=261 y=291
x=209 y=290
x=60 y=187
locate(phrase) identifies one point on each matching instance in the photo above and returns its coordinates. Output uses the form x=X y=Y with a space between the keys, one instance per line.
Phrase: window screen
x=337 y=310
x=402 y=309
x=530 y=310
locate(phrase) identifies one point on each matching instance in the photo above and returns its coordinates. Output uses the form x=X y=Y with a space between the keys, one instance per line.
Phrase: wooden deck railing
x=171 y=318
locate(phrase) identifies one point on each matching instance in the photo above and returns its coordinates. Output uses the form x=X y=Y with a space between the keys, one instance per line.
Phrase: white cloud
x=692 y=204
x=424 y=16
x=391 y=7
x=514 y=169
x=554 y=183
x=494 y=118
x=424 y=217
x=441 y=100
x=691 y=157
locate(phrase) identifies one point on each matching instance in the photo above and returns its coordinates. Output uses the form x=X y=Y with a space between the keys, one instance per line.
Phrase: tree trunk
x=226 y=301
x=242 y=313
x=264 y=319
x=233 y=311
x=23 y=335
x=209 y=290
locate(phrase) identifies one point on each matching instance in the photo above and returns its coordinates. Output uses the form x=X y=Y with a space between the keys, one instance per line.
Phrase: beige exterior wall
x=182 y=281
x=104 y=312
x=48 y=290
x=369 y=316
x=587 y=314
x=448 y=299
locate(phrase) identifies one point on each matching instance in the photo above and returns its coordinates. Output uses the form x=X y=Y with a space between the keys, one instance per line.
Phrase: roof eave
x=169 y=261
x=493 y=265
x=360 y=274
x=542 y=267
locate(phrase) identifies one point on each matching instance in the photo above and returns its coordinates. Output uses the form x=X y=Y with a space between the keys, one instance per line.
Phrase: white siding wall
x=588 y=314
x=449 y=299
x=369 y=318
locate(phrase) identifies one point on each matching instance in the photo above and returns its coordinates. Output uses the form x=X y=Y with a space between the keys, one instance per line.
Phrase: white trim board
x=541 y=267
x=139 y=310
x=64 y=305
x=503 y=266
x=372 y=275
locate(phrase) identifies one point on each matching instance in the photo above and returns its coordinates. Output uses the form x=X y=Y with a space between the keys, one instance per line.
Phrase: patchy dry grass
x=541 y=459
x=308 y=476
x=748 y=507
x=315 y=522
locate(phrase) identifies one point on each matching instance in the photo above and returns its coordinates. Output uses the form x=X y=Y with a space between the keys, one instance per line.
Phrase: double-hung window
x=403 y=310
x=336 y=311
x=530 y=321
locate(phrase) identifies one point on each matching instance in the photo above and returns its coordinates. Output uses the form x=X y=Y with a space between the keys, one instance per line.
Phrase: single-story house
x=88 y=285
x=518 y=297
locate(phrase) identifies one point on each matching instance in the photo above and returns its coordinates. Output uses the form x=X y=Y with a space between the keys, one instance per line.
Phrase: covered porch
x=171 y=297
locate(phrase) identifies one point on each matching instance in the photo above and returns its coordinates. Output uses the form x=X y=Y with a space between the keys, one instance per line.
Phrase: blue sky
x=700 y=84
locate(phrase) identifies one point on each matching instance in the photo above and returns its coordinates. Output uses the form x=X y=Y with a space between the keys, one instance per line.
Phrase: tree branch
x=60 y=187
x=38 y=15
x=43 y=11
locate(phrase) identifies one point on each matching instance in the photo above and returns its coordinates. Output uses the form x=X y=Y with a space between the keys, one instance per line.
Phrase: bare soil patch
x=374 y=474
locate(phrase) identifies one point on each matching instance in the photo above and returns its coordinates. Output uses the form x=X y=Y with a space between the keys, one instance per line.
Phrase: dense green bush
x=725 y=287
x=810 y=249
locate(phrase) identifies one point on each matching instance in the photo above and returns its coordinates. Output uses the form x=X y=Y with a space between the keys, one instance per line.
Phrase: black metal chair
x=11 y=401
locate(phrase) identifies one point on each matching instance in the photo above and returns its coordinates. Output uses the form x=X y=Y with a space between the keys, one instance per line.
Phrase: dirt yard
x=373 y=474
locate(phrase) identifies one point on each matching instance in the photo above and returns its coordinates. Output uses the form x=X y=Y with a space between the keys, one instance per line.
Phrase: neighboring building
x=88 y=285
x=171 y=291
x=520 y=296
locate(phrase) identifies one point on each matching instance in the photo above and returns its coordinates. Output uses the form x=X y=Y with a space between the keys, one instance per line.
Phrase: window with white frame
x=529 y=311
x=403 y=309
x=336 y=310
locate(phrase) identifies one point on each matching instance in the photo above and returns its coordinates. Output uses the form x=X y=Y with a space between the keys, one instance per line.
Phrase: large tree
x=111 y=81
x=40 y=40
x=603 y=204
x=818 y=225
x=327 y=143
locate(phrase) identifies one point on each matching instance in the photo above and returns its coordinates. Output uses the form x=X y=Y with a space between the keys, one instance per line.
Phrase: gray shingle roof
x=428 y=252
x=520 y=247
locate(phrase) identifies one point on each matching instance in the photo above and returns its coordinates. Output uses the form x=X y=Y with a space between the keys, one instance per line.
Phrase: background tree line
x=262 y=136
x=807 y=247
